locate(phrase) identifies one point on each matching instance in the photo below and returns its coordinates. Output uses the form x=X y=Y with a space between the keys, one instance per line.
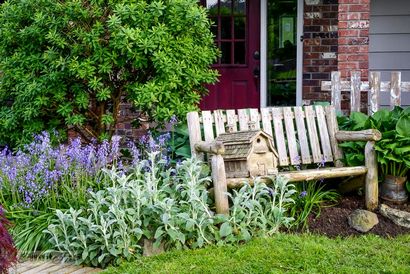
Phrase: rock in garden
x=150 y=249
x=401 y=218
x=362 y=220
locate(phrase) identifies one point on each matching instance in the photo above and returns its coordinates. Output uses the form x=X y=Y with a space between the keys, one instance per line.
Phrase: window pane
x=214 y=27
x=239 y=7
x=226 y=28
x=212 y=6
x=226 y=52
x=240 y=53
x=281 y=52
x=239 y=27
x=226 y=7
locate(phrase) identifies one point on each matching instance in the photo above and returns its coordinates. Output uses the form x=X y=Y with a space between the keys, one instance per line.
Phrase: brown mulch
x=332 y=221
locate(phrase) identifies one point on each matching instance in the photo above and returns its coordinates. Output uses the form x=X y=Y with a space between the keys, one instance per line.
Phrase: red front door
x=236 y=26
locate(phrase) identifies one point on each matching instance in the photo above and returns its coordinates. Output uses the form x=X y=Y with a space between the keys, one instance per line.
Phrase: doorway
x=259 y=46
x=236 y=27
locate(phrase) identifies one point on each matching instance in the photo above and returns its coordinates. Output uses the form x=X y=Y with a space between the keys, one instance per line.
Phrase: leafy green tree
x=71 y=63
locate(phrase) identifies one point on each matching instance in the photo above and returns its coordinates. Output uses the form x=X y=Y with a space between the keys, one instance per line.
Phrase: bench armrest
x=217 y=148
x=362 y=135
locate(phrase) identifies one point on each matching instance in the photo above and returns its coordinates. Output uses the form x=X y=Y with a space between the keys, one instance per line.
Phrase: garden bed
x=332 y=221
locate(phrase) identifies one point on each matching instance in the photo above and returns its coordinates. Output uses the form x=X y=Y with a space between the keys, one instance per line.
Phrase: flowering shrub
x=71 y=62
x=165 y=204
x=8 y=253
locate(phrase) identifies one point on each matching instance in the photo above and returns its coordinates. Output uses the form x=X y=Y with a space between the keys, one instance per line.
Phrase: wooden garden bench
x=301 y=135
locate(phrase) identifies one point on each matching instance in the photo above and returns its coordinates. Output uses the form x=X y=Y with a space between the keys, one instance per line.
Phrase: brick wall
x=124 y=126
x=320 y=47
x=353 y=50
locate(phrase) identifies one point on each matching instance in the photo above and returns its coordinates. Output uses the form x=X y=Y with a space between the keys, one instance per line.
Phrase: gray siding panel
x=386 y=74
x=390 y=24
x=389 y=61
x=389 y=7
x=389 y=41
x=385 y=99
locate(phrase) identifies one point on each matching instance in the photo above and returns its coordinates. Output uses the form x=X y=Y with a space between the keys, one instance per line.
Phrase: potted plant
x=393 y=150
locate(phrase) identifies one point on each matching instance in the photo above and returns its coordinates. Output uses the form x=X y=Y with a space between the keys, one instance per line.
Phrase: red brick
x=357 y=57
x=348 y=33
x=346 y=16
x=359 y=8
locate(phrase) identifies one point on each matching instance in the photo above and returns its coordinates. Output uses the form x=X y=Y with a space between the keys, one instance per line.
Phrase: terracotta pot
x=393 y=189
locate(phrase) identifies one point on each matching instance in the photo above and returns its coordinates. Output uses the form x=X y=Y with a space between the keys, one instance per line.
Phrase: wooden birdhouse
x=248 y=154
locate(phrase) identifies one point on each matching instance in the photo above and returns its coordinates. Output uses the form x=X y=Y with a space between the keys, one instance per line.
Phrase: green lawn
x=285 y=253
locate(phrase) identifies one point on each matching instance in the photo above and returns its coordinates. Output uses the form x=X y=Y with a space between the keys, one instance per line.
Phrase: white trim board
x=299 y=53
x=263 y=85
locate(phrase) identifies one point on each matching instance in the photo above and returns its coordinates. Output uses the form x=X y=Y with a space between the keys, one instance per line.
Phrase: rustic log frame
x=221 y=183
x=220 y=189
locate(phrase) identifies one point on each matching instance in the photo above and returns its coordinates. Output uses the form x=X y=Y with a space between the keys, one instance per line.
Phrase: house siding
x=389 y=41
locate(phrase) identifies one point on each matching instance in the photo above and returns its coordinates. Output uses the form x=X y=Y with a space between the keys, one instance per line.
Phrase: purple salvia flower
x=322 y=163
x=135 y=153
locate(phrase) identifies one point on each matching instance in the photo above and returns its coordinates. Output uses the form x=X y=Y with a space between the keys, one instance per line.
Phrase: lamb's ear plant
x=258 y=210
x=166 y=205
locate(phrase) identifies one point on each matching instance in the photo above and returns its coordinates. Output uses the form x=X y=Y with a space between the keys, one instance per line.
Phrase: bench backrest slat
x=301 y=134
x=266 y=120
x=219 y=122
x=324 y=134
x=333 y=128
x=290 y=134
x=243 y=119
x=312 y=131
x=232 y=119
x=207 y=121
x=279 y=136
x=194 y=127
x=254 y=117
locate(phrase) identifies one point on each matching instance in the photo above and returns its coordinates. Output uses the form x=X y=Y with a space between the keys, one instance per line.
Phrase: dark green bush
x=69 y=63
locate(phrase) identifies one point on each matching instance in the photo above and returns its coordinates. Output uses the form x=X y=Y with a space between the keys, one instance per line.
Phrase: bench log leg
x=220 y=187
x=371 y=184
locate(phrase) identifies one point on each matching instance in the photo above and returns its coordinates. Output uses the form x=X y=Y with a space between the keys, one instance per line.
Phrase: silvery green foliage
x=258 y=210
x=167 y=205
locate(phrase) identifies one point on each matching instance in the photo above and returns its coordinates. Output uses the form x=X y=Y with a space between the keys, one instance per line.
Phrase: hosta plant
x=393 y=150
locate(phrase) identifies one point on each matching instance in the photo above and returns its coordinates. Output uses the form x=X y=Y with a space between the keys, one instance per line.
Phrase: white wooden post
x=336 y=94
x=395 y=91
x=374 y=92
x=355 y=91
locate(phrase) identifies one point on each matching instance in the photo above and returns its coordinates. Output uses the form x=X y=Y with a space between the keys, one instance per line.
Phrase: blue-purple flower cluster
x=41 y=170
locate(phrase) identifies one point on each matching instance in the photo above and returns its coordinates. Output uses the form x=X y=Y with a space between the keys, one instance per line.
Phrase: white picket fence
x=395 y=87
